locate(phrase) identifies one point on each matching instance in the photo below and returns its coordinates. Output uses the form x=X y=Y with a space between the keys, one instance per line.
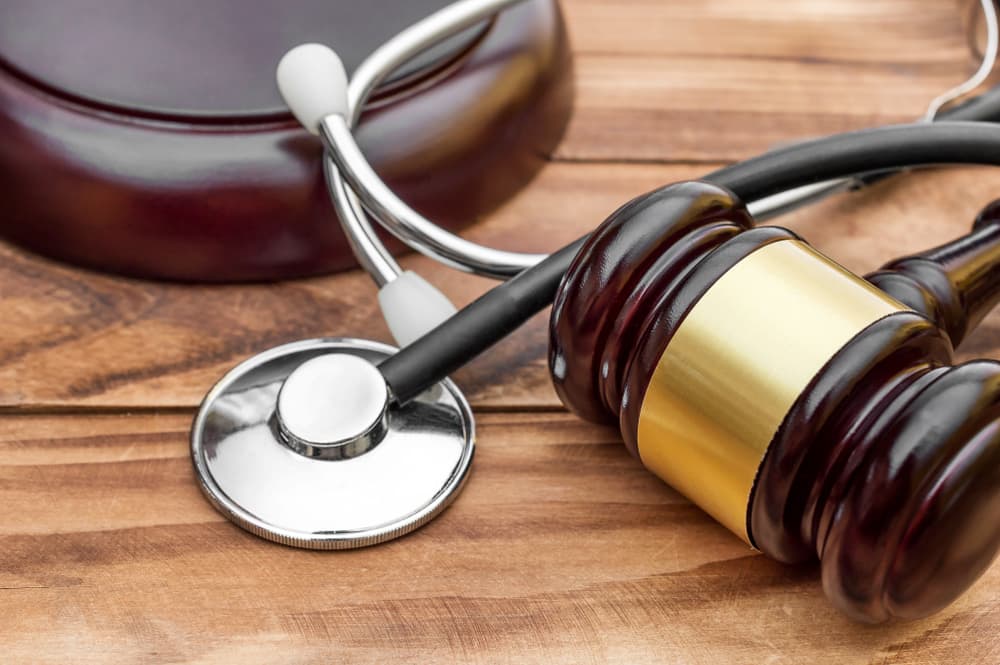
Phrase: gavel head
x=814 y=413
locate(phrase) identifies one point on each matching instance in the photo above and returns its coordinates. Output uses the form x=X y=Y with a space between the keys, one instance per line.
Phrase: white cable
x=985 y=68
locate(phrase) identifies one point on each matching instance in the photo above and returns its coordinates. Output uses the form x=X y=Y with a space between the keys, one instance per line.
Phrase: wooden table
x=561 y=548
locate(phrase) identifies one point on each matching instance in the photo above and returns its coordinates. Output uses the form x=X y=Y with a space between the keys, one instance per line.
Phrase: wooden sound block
x=149 y=139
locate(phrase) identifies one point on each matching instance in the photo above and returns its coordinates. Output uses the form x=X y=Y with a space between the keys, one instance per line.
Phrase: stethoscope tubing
x=500 y=311
x=357 y=191
x=405 y=223
x=797 y=174
x=393 y=214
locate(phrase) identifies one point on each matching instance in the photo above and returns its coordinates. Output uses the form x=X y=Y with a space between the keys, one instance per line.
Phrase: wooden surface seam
x=561 y=548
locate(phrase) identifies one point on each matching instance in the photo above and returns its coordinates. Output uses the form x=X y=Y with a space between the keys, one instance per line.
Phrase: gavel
x=814 y=413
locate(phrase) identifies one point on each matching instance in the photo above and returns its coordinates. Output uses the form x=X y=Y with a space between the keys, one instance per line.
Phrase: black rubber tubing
x=982 y=108
x=500 y=311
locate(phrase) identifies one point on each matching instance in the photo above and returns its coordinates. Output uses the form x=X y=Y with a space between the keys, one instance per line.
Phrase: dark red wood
x=626 y=270
x=955 y=284
x=149 y=139
x=887 y=469
x=887 y=466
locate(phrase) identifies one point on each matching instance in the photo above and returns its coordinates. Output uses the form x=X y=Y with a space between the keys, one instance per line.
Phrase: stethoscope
x=339 y=443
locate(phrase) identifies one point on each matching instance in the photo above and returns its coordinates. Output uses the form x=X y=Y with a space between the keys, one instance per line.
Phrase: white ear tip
x=412 y=307
x=313 y=83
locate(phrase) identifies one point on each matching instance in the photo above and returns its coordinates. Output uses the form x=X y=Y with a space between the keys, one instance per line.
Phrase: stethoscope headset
x=771 y=386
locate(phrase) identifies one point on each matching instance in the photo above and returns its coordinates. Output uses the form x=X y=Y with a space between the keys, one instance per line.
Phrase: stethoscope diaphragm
x=297 y=445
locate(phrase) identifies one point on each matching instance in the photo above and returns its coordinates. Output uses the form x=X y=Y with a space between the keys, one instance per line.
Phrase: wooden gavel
x=814 y=413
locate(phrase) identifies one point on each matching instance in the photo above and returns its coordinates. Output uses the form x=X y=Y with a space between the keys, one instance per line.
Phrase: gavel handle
x=956 y=284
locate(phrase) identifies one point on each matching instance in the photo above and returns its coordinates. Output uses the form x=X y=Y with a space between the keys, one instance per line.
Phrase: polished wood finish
x=632 y=266
x=190 y=61
x=102 y=169
x=955 y=285
x=886 y=467
x=561 y=549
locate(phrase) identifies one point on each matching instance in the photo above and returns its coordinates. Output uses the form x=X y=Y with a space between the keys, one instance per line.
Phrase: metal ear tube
x=759 y=377
x=814 y=413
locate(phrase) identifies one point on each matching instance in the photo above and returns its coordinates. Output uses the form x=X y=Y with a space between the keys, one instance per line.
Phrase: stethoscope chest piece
x=301 y=445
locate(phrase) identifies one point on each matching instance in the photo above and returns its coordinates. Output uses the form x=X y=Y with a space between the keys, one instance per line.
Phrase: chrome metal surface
x=333 y=406
x=368 y=250
x=404 y=222
x=251 y=475
x=364 y=190
x=401 y=220
x=793 y=199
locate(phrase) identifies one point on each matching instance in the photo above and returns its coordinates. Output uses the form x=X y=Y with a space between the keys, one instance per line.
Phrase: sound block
x=149 y=139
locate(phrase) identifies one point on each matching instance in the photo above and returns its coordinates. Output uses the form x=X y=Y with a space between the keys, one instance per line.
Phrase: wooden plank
x=561 y=549
x=68 y=337
x=724 y=80
x=71 y=338
x=695 y=109
x=848 y=31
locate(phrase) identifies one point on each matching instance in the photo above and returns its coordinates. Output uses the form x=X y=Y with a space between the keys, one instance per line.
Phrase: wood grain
x=72 y=339
x=694 y=80
x=560 y=550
